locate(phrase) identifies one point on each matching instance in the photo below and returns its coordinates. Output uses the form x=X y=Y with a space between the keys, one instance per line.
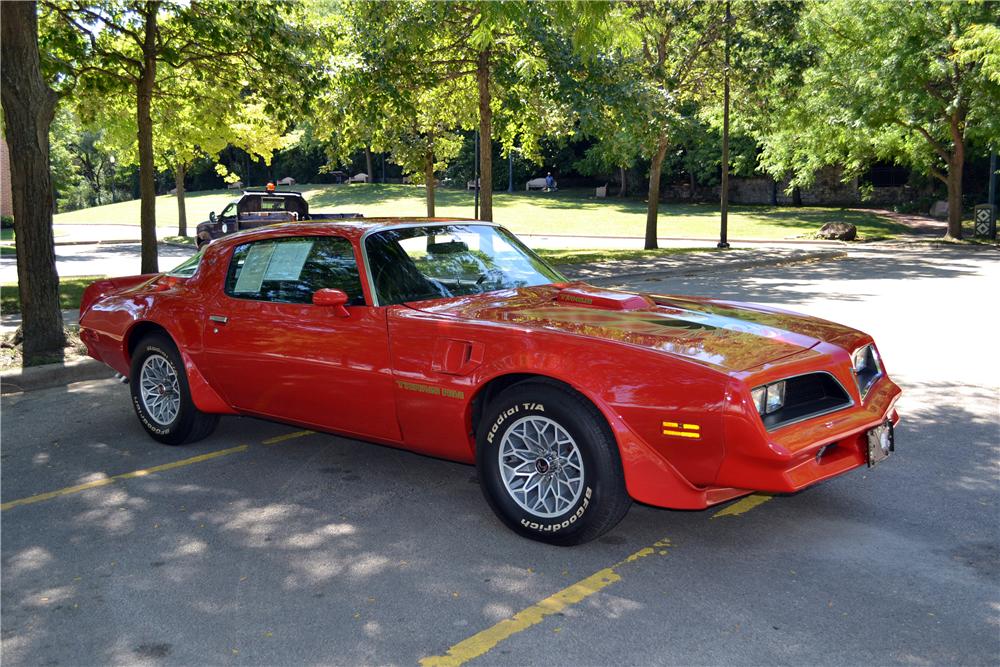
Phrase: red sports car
x=452 y=339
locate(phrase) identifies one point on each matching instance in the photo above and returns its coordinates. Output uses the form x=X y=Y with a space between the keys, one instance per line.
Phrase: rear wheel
x=549 y=465
x=161 y=395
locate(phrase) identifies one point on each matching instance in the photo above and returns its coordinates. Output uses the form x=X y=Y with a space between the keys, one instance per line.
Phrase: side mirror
x=333 y=298
x=211 y=216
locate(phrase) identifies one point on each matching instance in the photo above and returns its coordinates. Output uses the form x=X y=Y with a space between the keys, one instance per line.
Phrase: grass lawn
x=572 y=212
x=70 y=293
x=8 y=251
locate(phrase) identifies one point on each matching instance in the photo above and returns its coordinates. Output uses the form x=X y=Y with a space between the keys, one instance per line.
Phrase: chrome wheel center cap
x=542 y=466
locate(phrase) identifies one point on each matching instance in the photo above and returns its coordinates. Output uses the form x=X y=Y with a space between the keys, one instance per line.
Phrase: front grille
x=807 y=396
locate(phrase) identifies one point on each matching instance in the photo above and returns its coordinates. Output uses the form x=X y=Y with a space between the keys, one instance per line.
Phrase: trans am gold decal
x=430 y=389
x=682 y=430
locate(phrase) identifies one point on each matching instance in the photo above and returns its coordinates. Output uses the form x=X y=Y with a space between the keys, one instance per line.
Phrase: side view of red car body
x=571 y=399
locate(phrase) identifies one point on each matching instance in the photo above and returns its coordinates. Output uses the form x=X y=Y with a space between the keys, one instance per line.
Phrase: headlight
x=860 y=358
x=867 y=368
x=775 y=396
x=769 y=398
x=759 y=395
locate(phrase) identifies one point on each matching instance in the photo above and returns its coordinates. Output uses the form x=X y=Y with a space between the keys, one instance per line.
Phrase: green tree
x=123 y=47
x=647 y=62
x=417 y=72
x=29 y=106
x=914 y=83
x=196 y=118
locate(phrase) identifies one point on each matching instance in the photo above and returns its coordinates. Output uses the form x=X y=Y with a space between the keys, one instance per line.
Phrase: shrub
x=6 y=222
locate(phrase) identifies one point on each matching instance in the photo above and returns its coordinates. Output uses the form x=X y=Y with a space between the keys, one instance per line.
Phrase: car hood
x=728 y=335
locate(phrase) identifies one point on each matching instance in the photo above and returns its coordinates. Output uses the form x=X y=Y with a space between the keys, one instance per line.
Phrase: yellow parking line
x=288 y=436
x=128 y=475
x=482 y=642
x=743 y=506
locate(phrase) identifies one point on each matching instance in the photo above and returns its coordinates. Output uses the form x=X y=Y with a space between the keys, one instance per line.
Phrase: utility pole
x=991 y=199
x=510 y=171
x=724 y=203
x=475 y=177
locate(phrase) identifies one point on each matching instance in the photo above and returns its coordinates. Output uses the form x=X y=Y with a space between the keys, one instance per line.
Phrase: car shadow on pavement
x=843 y=280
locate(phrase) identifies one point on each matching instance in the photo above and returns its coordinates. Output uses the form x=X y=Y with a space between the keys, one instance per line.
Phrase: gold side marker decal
x=430 y=389
x=682 y=430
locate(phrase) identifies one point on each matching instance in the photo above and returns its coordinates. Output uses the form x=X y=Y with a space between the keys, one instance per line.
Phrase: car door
x=270 y=351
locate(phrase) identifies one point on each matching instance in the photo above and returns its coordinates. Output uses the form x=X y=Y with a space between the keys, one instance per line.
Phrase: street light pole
x=724 y=203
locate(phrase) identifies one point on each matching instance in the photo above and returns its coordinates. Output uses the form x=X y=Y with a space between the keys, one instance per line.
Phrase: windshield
x=440 y=261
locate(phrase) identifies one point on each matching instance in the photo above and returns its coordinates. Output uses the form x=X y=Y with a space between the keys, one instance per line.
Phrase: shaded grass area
x=70 y=292
x=8 y=251
x=6 y=234
x=569 y=212
x=572 y=257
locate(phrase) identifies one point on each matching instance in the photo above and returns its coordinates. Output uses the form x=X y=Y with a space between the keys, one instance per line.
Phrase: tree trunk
x=653 y=207
x=182 y=220
x=29 y=106
x=485 y=138
x=955 y=168
x=368 y=164
x=429 y=180
x=956 y=164
x=147 y=169
x=624 y=188
x=796 y=196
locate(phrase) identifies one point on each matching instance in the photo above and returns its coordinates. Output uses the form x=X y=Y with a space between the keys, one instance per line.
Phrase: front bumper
x=800 y=455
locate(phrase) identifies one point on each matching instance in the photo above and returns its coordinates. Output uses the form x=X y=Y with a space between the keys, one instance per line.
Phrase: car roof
x=351 y=228
x=273 y=193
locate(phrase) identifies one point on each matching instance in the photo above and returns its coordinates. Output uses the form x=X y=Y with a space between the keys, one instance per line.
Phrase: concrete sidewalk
x=689 y=264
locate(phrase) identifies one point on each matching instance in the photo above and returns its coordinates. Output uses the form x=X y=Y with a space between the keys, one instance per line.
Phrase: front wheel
x=549 y=465
x=161 y=396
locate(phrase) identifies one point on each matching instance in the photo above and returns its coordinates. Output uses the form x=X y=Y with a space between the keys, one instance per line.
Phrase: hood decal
x=699 y=332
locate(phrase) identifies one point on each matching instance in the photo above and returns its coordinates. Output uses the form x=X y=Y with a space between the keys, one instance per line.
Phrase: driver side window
x=289 y=270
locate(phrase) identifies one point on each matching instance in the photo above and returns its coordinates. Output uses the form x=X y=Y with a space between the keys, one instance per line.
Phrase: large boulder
x=939 y=209
x=839 y=231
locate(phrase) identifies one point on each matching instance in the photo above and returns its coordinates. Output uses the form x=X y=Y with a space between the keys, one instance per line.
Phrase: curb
x=645 y=276
x=792 y=240
x=101 y=242
x=53 y=375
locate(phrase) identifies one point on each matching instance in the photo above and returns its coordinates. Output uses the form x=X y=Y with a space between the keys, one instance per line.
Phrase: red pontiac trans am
x=452 y=339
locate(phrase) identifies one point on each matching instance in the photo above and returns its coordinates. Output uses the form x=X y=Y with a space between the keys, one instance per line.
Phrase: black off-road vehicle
x=256 y=208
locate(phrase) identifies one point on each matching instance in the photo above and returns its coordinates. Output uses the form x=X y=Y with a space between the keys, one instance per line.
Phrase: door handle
x=221 y=319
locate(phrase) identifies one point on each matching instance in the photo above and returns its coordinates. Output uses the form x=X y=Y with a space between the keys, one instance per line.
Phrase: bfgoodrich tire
x=549 y=465
x=161 y=395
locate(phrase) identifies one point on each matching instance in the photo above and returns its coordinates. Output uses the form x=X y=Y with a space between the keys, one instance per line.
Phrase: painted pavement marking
x=482 y=642
x=744 y=505
x=105 y=481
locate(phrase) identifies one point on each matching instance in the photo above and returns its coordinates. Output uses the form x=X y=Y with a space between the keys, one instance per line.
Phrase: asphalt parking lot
x=268 y=545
